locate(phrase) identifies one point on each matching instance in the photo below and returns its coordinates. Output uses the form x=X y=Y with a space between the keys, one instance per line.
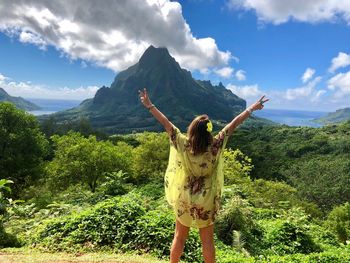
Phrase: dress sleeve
x=220 y=141
x=177 y=139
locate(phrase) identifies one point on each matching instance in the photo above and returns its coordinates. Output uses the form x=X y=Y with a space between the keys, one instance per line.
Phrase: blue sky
x=297 y=54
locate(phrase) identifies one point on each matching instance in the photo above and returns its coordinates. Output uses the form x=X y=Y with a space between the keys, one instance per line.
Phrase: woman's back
x=193 y=183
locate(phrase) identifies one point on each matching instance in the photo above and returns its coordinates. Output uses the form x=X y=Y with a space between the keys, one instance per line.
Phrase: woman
x=194 y=177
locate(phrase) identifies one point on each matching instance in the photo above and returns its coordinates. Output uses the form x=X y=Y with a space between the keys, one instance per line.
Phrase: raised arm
x=258 y=105
x=154 y=111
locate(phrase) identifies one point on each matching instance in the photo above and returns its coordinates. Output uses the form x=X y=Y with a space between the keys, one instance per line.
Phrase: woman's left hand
x=259 y=104
x=144 y=98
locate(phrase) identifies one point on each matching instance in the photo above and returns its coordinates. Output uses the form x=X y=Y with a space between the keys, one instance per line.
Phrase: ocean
x=291 y=117
x=288 y=117
x=51 y=106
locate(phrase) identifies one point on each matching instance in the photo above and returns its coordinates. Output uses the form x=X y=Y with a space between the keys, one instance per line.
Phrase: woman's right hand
x=144 y=98
x=259 y=104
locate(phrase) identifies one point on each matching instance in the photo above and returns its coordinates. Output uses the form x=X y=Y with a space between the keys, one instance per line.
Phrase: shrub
x=338 y=221
x=6 y=239
x=150 y=157
x=155 y=231
x=85 y=160
x=289 y=234
x=236 y=215
x=108 y=223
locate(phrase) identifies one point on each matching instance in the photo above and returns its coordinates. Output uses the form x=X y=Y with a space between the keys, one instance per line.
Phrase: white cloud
x=308 y=74
x=27 y=37
x=112 y=34
x=241 y=75
x=340 y=84
x=245 y=92
x=225 y=72
x=341 y=61
x=277 y=11
x=305 y=91
x=29 y=90
x=317 y=96
x=2 y=78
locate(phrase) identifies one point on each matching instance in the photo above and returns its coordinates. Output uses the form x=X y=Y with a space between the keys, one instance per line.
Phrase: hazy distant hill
x=117 y=109
x=18 y=101
x=335 y=117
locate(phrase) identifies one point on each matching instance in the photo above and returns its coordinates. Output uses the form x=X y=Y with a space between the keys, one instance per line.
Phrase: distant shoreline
x=281 y=116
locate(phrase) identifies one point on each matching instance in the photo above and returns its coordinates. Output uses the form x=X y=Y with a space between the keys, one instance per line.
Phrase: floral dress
x=193 y=183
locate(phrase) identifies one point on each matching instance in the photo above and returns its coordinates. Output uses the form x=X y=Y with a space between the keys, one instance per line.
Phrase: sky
x=297 y=53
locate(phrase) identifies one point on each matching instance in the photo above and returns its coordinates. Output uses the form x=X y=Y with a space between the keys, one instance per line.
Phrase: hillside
x=18 y=101
x=335 y=117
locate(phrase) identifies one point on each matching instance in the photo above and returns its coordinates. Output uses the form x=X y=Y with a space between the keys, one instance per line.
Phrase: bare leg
x=181 y=233
x=208 y=248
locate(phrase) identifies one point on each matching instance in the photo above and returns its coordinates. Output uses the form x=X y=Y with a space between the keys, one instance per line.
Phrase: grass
x=25 y=255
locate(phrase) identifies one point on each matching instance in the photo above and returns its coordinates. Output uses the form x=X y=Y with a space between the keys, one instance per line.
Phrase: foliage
x=4 y=188
x=236 y=215
x=51 y=126
x=271 y=194
x=338 y=221
x=78 y=159
x=331 y=256
x=22 y=147
x=154 y=233
x=6 y=239
x=312 y=177
x=237 y=167
x=289 y=234
x=151 y=156
x=109 y=223
x=114 y=184
x=283 y=153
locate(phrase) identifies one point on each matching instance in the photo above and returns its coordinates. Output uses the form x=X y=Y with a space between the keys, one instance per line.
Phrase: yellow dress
x=193 y=184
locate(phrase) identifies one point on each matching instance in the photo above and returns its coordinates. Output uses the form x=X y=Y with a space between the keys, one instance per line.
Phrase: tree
x=338 y=221
x=323 y=180
x=151 y=156
x=22 y=147
x=86 y=160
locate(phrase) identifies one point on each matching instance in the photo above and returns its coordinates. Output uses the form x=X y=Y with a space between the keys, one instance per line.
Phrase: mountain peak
x=155 y=56
x=118 y=109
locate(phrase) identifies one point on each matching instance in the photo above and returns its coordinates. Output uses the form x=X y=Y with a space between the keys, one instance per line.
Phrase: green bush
x=150 y=158
x=235 y=216
x=114 y=184
x=109 y=223
x=85 y=160
x=289 y=234
x=23 y=147
x=6 y=239
x=155 y=231
x=338 y=221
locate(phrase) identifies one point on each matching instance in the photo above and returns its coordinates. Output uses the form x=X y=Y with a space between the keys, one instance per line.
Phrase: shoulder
x=218 y=141
x=177 y=138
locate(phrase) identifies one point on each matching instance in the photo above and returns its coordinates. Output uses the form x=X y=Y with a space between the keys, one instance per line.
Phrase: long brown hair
x=198 y=136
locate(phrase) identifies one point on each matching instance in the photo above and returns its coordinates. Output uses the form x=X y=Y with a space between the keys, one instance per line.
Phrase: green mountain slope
x=18 y=101
x=117 y=109
x=335 y=117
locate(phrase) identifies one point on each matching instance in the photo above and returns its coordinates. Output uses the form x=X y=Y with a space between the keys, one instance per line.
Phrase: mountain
x=18 y=101
x=117 y=109
x=335 y=117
